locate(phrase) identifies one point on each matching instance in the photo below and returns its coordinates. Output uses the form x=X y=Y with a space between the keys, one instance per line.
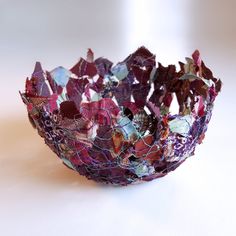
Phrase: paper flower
x=114 y=123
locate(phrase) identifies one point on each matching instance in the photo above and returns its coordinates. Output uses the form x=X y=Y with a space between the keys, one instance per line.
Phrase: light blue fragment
x=120 y=71
x=60 y=75
x=126 y=127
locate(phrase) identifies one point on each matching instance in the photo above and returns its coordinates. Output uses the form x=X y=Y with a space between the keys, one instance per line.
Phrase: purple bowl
x=124 y=123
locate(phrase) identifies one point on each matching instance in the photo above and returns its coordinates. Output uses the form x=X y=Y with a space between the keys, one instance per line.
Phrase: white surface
x=40 y=196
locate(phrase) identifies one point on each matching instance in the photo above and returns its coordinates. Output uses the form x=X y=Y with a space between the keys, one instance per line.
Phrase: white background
x=39 y=195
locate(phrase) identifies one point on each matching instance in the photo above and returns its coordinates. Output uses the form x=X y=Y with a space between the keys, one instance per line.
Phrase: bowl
x=122 y=123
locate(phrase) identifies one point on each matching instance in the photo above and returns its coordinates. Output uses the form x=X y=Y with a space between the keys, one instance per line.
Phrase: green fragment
x=181 y=125
x=96 y=97
x=143 y=170
x=62 y=97
x=164 y=110
x=68 y=163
